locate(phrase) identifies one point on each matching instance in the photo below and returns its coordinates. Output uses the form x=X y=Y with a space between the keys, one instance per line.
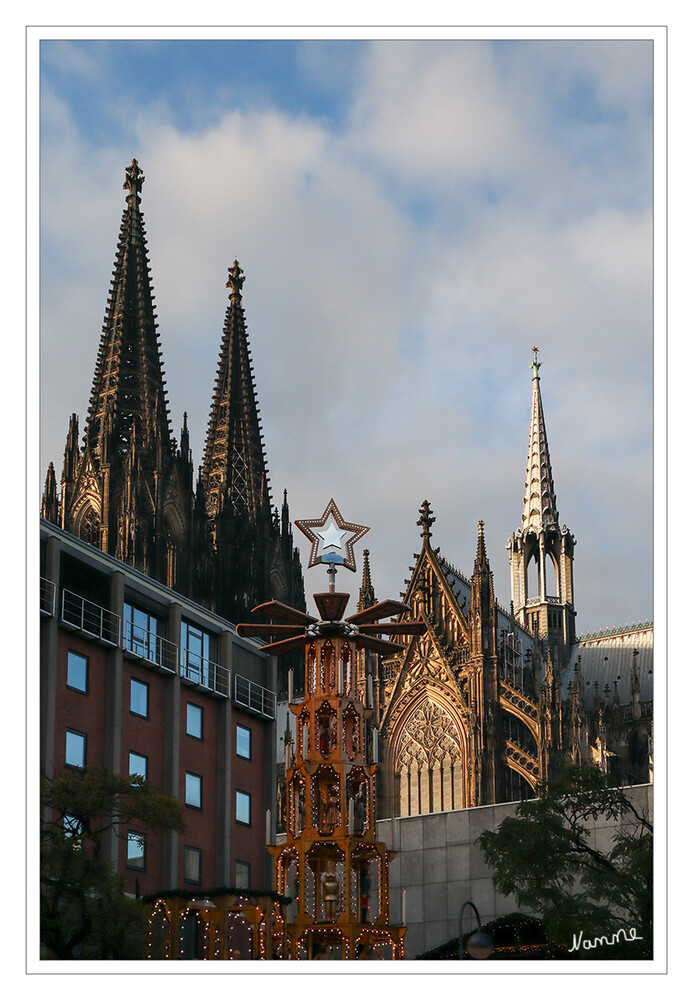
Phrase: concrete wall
x=441 y=867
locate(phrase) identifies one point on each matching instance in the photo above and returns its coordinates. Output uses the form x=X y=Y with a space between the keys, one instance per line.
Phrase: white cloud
x=391 y=347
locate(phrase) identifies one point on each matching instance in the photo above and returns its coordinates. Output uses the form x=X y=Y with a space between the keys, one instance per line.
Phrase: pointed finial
x=236 y=279
x=536 y=365
x=134 y=179
x=481 y=558
x=366 y=594
x=426 y=519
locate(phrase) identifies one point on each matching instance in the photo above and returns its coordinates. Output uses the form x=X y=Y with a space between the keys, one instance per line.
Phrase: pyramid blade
x=283 y=613
x=383 y=610
x=258 y=630
x=395 y=628
x=284 y=646
x=376 y=645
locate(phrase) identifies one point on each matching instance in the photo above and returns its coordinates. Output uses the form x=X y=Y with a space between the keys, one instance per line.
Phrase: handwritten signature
x=604 y=939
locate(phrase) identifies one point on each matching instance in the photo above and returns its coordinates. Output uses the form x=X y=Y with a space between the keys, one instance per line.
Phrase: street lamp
x=479 y=944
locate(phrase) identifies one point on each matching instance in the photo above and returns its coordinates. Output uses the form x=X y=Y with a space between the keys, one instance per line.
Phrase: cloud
x=400 y=263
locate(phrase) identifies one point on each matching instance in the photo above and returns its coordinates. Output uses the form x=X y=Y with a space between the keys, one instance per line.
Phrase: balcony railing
x=255 y=698
x=144 y=645
x=92 y=619
x=531 y=602
x=47 y=597
x=200 y=671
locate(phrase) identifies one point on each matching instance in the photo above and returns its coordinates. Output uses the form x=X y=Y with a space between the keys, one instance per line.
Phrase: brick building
x=138 y=679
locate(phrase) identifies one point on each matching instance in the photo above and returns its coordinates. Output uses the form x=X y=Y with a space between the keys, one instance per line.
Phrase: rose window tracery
x=429 y=767
x=430 y=735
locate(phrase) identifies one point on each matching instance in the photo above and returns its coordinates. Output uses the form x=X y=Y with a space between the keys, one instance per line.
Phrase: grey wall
x=441 y=867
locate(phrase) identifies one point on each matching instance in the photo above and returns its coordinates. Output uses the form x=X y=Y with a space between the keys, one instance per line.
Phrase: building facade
x=139 y=680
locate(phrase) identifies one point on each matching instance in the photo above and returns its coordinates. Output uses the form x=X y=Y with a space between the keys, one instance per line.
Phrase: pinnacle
x=539 y=510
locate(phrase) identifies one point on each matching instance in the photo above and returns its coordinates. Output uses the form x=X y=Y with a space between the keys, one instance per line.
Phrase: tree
x=544 y=856
x=84 y=910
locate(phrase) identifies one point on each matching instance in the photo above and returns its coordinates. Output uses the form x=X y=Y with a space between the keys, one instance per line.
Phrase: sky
x=412 y=218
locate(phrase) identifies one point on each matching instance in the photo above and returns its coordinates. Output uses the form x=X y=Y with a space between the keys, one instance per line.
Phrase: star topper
x=328 y=542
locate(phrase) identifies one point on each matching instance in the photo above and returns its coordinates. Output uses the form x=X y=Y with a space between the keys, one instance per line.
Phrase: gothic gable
x=431 y=595
x=424 y=667
x=87 y=493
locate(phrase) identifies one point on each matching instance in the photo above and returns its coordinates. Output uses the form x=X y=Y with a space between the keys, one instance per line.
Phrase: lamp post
x=479 y=945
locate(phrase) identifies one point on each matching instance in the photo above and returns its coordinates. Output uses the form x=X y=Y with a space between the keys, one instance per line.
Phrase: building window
x=136 y=850
x=71 y=826
x=139 y=698
x=137 y=764
x=197 y=649
x=243 y=808
x=193 y=790
x=242 y=880
x=192 y=864
x=140 y=631
x=193 y=721
x=75 y=748
x=243 y=742
x=77 y=671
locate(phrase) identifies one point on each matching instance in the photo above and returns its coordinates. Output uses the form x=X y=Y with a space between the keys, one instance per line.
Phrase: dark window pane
x=139 y=698
x=136 y=844
x=194 y=721
x=75 y=748
x=76 y=671
x=242 y=880
x=243 y=742
x=193 y=790
x=243 y=808
x=192 y=858
x=138 y=764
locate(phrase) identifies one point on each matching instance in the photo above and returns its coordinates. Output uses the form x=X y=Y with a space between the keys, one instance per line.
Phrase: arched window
x=90 y=527
x=429 y=762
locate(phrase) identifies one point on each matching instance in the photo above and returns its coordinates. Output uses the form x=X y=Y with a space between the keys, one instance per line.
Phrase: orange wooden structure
x=331 y=863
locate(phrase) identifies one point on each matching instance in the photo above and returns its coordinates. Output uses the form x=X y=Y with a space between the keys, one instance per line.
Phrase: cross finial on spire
x=426 y=519
x=536 y=365
x=134 y=179
x=236 y=279
x=481 y=542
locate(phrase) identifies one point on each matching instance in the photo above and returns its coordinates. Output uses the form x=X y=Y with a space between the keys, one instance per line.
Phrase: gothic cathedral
x=488 y=702
x=127 y=488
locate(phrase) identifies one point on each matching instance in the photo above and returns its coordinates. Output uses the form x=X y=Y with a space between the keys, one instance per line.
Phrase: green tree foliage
x=84 y=910
x=546 y=858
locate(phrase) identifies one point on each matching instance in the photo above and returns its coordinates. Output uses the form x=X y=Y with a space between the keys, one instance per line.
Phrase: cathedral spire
x=545 y=607
x=128 y=388
x=539 y=509
x=234 y=468
x=481 y=557
x=49 y=504
x=366 y=593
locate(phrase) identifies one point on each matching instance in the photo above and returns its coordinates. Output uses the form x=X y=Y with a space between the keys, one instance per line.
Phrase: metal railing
x=254 y=697
x=204 y=672
x=148 y=646
x=532 y=602
x=47 y=597
x=92 y=619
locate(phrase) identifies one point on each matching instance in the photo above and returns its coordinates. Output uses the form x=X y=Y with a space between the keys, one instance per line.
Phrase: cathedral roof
x=606 y=664
x=128 y=392
x=234 y=466
x=539 y=510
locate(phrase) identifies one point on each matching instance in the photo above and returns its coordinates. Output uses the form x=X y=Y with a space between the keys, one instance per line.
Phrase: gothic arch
x=87 y=522
x=428 y=754
x=174 y=535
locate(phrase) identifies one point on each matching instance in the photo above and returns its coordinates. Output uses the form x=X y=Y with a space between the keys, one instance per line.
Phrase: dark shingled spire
x=234 y=469
x=128 y=388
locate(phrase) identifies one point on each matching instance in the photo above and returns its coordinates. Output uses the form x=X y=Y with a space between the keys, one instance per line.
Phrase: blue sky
x=412 y=217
